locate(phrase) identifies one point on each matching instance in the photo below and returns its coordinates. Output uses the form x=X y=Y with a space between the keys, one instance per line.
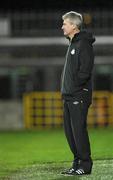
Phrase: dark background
x=54 y=4
x=37 y=67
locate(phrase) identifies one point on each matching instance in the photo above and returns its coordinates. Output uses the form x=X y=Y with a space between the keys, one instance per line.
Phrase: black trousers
x=75 y=126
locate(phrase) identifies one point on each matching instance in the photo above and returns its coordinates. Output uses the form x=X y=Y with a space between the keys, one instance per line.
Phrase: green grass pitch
x=43 y=154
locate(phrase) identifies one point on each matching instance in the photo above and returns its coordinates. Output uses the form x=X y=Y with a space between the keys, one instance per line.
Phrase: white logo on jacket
x=76 y=102
x=73 y=51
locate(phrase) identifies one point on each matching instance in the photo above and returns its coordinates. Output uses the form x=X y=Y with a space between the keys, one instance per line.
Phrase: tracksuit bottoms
x=75 y=127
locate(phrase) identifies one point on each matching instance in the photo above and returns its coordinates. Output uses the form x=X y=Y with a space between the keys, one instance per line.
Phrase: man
x=76 y=90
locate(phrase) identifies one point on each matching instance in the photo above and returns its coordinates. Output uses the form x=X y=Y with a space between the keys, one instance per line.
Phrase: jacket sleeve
x=86 y=60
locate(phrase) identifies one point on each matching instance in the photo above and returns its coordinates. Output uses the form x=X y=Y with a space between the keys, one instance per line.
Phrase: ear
x=74 y=26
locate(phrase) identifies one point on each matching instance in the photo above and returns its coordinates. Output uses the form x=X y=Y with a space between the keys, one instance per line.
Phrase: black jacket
x=76 y=79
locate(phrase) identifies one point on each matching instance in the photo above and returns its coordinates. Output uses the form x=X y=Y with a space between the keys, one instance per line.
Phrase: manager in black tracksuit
x=76 y=89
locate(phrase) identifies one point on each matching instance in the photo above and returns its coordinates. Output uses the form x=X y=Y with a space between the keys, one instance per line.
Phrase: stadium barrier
x=45 y=109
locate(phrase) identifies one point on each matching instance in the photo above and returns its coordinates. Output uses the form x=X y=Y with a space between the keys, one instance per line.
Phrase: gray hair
x=74 y=17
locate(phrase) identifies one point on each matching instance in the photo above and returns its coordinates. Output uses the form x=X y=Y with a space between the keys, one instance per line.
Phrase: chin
x=65 y=34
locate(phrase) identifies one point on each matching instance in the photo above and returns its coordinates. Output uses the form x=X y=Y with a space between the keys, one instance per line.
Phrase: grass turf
x=44 y=153
x=102 y=170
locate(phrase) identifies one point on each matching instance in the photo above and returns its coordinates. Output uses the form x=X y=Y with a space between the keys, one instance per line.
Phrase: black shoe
x=69 y=172
x=72 y=172
x=81 y=171
x=84 y=167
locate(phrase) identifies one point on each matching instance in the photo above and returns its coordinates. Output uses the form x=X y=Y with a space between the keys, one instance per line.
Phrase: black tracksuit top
x=76 y=78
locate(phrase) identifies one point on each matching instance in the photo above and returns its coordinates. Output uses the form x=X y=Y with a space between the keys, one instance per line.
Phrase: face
x=68 y=28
